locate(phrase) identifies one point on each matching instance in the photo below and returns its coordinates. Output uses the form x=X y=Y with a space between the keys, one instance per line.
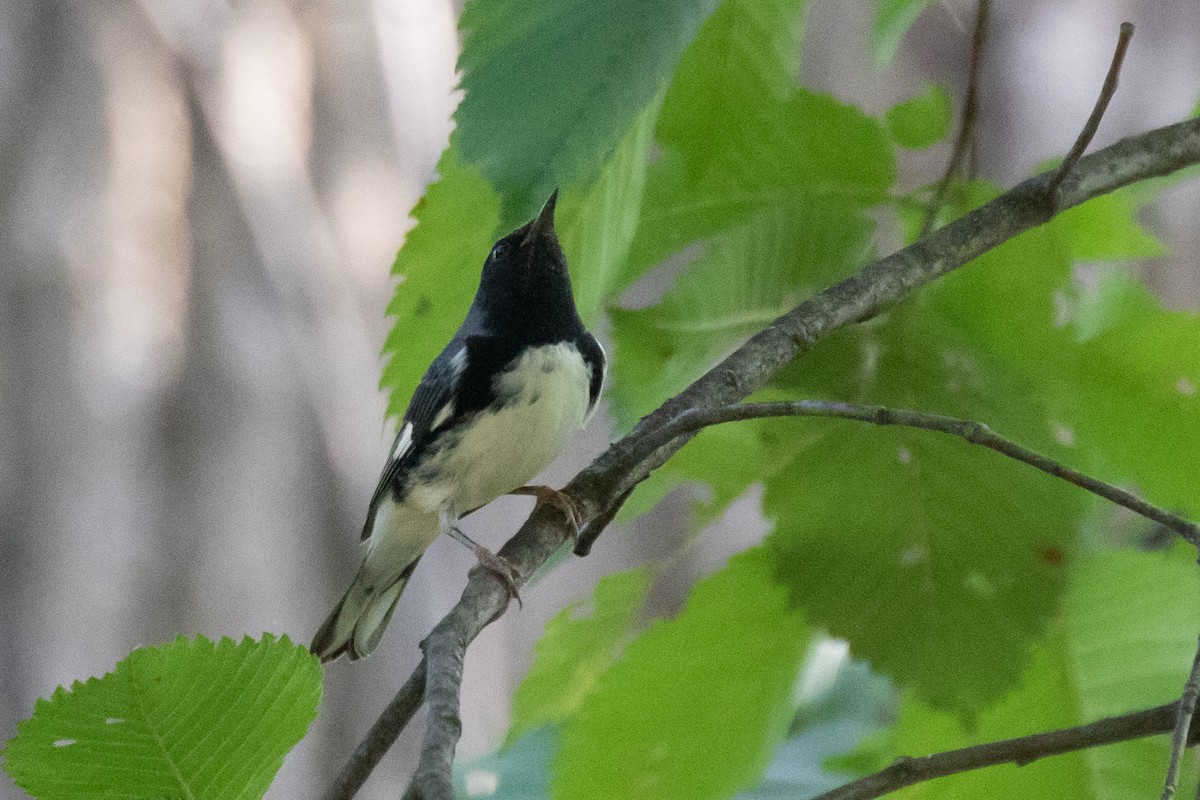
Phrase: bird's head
x=526 y=273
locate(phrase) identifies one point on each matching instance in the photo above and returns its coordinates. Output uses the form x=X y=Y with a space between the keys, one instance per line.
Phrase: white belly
x=546 y=400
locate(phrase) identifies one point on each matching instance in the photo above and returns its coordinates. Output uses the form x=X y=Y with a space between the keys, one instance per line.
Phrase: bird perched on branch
x=520 y=376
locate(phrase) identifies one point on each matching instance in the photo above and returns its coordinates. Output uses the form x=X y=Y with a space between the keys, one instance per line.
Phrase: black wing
x=434 y=396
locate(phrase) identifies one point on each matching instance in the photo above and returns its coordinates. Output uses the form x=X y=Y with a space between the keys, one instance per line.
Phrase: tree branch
x=1183 y=724
x=1020 y=751
x=693 y=420
x=863 y=295
x=444 y=653
x=383 y=734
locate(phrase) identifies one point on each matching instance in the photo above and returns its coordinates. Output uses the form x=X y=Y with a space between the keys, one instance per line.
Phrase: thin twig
x=862 y=296
x=978 y=433
x=966 y=127
x=1021 y=751
x=1183 y=724
x=1106 y=93
x=383 y=733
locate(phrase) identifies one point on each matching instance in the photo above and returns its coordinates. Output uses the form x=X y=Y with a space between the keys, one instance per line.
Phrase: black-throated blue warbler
x=520 y=376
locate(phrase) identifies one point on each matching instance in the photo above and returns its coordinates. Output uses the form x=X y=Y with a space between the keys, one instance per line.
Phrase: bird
x=520 y=376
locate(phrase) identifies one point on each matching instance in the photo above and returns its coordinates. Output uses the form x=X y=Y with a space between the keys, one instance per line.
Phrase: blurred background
x=199 y=207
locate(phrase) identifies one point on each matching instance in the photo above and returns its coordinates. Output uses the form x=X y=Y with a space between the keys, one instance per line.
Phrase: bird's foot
x=559 y=500
x=497 y=565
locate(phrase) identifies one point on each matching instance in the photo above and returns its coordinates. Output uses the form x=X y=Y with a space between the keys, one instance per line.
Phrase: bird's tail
x=359 y=619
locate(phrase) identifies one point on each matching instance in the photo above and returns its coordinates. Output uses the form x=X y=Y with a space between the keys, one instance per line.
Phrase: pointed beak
x=544 y=224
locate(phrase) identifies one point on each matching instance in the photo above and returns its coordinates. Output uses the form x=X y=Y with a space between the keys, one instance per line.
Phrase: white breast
x=544 y=401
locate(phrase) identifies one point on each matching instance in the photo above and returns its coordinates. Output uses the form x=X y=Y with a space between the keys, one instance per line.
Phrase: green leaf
x=575 y=650
x=816 y=143
x=1103 y=381
x=810 y=149
x=747 y=277
x=1125 y=642
x=1129 y=393
x=921 y=121
x=438 y=268
x=893 y=18
x=597 y=228
x=551 y=87
x=743 y=64
x=187 y=719
x=699 y=702
x=938 y=562
x=1106 y=229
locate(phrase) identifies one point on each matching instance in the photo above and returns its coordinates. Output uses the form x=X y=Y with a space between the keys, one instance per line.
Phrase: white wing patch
x=403 y=442
x=603 y=380
x=458 y=363
x=443 y=414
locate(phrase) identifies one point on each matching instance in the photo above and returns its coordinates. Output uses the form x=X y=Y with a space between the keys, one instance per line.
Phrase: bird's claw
x=502 y=569
x=560 y=500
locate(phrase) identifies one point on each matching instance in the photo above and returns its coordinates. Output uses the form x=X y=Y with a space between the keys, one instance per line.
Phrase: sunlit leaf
x=438 y=269
x=576 y=648
x=1125 y=642
x=187 y=719
x=698 y=703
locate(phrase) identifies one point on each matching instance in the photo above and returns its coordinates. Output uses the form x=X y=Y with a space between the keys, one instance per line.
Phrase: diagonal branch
x=599 y=487
x=383 y=733
x=693 y=420
x=1020 y=751
x=1183 y=724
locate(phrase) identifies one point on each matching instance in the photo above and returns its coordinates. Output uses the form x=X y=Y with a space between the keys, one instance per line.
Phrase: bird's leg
x=498 y=565
x=559 y=500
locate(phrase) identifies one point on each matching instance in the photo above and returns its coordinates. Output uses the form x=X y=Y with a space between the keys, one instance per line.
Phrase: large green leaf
x=597 y=228
x=438 y=269
x=744 y=63
x=1125 y=641
x=938 y=562
x=575 y=650
x=551 y=87
x=699 y=702
x=187 y=719
x=1097 y=377
x=1130 y=392
x=747 y=276
x=737 y=133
